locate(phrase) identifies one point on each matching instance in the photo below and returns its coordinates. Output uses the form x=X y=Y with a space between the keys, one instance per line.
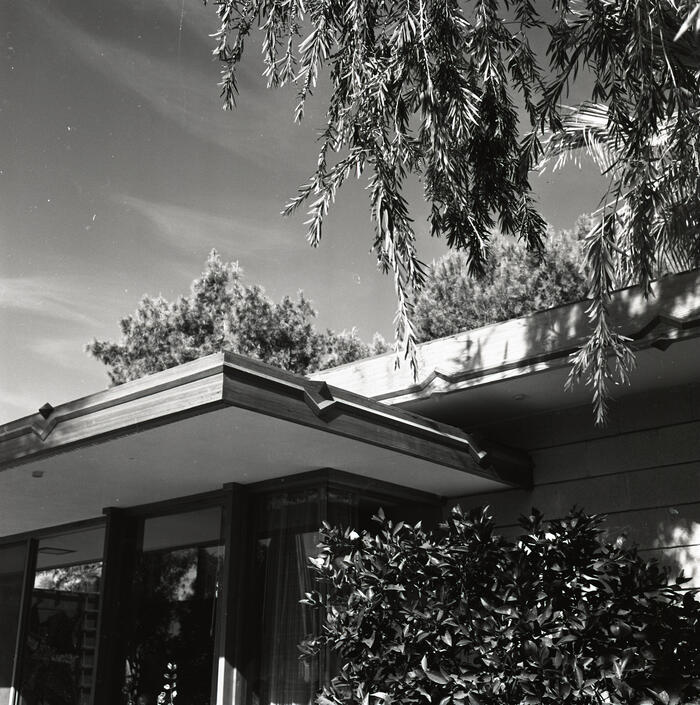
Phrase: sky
x=119 y=172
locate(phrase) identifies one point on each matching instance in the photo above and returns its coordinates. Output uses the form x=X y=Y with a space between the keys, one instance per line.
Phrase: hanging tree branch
x=431 y=88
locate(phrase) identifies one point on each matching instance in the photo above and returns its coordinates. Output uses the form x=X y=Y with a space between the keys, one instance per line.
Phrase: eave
x=497 y=371
x=232 y=419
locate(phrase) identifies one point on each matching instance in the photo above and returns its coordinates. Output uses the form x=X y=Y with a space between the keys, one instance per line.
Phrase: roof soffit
x=226 y=380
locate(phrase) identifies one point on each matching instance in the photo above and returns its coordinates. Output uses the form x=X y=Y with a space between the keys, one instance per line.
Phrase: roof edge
x=526 y=345
x=205 y=385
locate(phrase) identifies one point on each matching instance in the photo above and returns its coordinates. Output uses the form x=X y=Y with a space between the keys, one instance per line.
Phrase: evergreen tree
x=515 y=282
x=222 y=313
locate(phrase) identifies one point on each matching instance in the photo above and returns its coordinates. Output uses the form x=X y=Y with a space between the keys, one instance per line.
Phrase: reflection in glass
x=58 y=660
x=175 y=588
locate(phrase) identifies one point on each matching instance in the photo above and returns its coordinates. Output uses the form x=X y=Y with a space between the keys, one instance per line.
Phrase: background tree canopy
x=222 y=313
x=444 y=90
x=514 y=283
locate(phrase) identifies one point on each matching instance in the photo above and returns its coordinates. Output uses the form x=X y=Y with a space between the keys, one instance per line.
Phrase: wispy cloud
x=197 y=15
x=57 y=299
x=185 y=96
x=69 y=353
x=66 y=374
x=189 y=229
x=15 y=405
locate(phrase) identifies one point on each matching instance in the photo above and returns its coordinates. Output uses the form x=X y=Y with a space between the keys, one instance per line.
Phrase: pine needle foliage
x=515 y=283
x=462 y=616
x=223 y=313
x=435 y=89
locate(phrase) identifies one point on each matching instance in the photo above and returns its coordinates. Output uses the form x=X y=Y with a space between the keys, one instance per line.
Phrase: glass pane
x=287 y=536
x=176 y=584
x=58 y=660
x=12 y=561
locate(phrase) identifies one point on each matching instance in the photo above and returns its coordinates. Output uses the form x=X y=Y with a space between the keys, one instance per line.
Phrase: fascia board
x=527 y=345
x=226 y=379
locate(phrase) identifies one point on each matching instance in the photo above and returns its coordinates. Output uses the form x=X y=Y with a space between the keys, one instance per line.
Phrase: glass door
x=171 y=630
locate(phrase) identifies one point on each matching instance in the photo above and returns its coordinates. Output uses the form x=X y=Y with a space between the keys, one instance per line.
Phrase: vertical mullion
x=24 y=610
x=117 y=571
x=232 y=661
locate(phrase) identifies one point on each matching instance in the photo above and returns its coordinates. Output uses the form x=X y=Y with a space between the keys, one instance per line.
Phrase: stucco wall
x=643 y=471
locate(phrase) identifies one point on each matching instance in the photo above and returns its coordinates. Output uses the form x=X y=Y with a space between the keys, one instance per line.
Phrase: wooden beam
x=373 y=423
x=233 y=635
x=117 y=571
x=227 y=379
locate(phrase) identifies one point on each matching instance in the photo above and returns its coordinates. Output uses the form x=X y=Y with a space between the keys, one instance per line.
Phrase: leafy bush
x=465 y=617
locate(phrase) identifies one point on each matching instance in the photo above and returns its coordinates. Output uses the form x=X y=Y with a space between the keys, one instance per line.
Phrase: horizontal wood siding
x=643 y=473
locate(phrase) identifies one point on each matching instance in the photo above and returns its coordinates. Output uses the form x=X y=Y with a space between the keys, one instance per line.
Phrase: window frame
x=32 y=539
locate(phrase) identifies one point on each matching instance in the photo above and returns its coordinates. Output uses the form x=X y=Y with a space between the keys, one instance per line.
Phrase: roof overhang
x=519 y=367
x=221 y=419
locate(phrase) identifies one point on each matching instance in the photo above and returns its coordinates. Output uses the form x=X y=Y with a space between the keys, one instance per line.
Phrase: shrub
x=465 y=617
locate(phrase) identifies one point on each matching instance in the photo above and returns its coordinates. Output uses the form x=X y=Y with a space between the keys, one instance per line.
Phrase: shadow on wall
x=656 y=466
x=678 y=547
x=525 y=343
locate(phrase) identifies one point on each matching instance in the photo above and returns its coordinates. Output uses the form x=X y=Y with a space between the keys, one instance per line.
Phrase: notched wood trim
x=228 y=379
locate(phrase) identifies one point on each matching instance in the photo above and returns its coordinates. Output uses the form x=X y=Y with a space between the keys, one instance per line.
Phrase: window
x=13 y=558
x=173 y=607
x=60 y=636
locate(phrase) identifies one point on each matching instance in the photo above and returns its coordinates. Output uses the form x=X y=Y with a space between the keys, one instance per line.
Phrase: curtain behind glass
x=288 y=524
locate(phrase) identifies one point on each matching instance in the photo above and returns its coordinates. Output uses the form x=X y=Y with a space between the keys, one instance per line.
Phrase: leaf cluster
x=223 y=313
x=420 y=87
x=443 y=90
x=466 y=617
x=169 y=693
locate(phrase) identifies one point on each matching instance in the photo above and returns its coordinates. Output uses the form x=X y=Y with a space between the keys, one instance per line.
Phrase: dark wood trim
x=340 y=479
x=178 y=505
x=227 y=379
x=356 y=417
x=24 y=610
x=233 y=660
x=118 y=565
x=53 y=530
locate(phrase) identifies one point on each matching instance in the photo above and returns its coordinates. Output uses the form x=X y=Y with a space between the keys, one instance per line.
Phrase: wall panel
x=645 y=478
